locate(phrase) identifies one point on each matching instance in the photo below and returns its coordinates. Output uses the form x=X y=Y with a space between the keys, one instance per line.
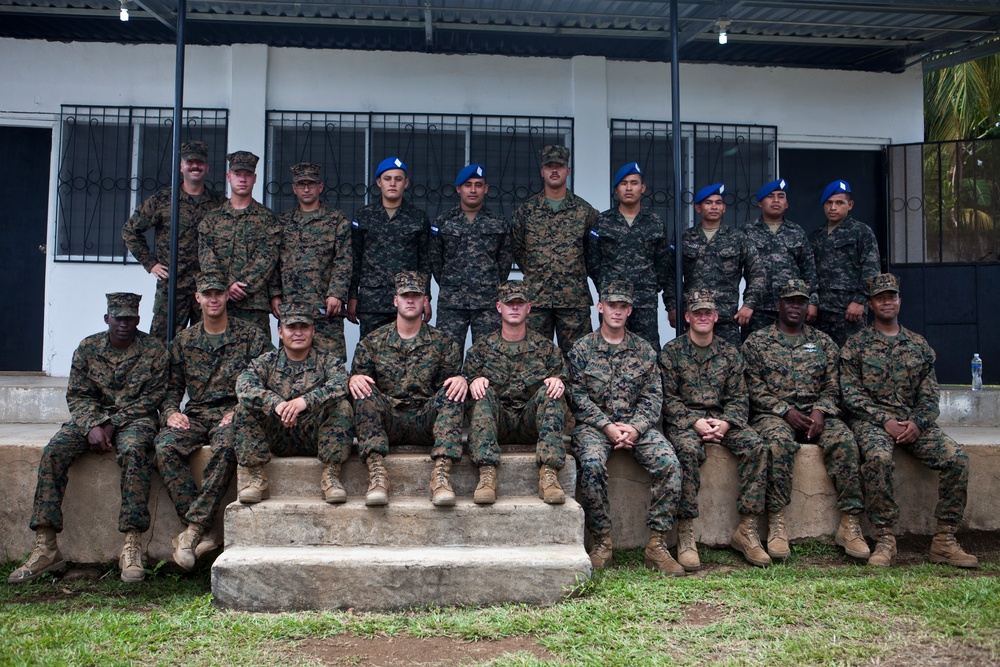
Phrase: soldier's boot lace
x=946 y=549
x=747 y=542
x=850 y=537
x=130 y=561
x=44 y=557
x=687 y=548
x=777 y=536
x=442 y=494
x=486 y=490
x=256 y=487
x=378 y=482
x=657 y=556
x=333 y=490
x=600 y=551
x=884 y=554
x=548 y=486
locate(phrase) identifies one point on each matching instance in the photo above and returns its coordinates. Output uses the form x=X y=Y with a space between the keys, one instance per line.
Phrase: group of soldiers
x=238 y=263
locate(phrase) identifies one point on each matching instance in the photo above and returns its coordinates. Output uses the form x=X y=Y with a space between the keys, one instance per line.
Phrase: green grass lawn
x=817 y=609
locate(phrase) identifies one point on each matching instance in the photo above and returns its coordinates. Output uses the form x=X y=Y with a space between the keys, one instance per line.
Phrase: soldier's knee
x=881 y=459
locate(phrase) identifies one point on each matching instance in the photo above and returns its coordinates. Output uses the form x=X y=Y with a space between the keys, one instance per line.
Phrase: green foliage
x=963 y=102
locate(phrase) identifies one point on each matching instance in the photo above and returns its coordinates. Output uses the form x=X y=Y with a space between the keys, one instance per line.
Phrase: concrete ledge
x=33 y=400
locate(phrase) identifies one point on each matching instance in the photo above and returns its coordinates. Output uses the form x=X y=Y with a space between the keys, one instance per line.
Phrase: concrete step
x=272 y=579
x=32 y=399
x=405 y=522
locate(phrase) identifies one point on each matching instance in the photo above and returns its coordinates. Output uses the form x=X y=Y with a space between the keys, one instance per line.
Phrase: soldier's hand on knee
x=630 y=436
x=98 y=440
x=798 y=421
x=227 y=419
x=818 y=423
x=554 y=387
x=456 y=388
x=478 y=387
x=614 y=434
x=910 y=433
x=360 y=386
x=179 y=420
x=289 y=410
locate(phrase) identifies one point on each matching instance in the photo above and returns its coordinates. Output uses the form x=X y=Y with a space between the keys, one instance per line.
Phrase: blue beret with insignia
x=835 y=188
x=768 y=188
x=387 y=164
x=472 y=171
x=630 y=168
x=705 y=193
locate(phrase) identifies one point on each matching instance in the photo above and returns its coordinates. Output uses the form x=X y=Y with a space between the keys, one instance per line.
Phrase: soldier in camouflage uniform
x=716 y=258
x=705 y=401
x=550 y=231
x=116 y=383
x=470 y=255
x=407 y=386
x=388 y=236
x=195 y=200
x=783 y=250
x=204 y=362
x=617 y=396
x=792 y=378
x=629 y=243
x=241 y=241
x=890 y=392
x=314 y=263
x=293 y=402
x=846 y=259
x=517 y=386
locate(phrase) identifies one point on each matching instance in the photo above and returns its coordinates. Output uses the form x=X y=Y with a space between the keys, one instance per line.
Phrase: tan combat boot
x=185 y=544
x=946 y=549
x=777 y=536
x=442 y=495
x=44 y=557
x=130 y=561
x=687 y=549
x=658 y=557
x=378 y=482
x=256 y=488
x=849 y=536
x=486 y=490
x=333 y=490
x=885 y=547
x=747 y=542
x=600 y=552
x=548 y=486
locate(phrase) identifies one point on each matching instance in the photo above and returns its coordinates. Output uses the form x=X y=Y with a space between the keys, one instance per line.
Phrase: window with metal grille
x=110 y=160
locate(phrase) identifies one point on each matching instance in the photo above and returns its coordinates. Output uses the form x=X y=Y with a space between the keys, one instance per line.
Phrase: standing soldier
x=617 y=396
x=630 y=243
x=550 y=230
x=890 y=390
x=791 y=371
x=116 y=383
x=241 y=241
x=470 y=255
x=314 y=264
x=846 y=259
x=784 y=252
x=204 y=362
x=518 y=395
x=388 y=236
x=195 y=200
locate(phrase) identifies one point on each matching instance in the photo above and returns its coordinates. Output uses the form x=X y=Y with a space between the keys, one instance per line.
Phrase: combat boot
x=185 y=545
x=256 y=488
x=600 y=552
x=687 y=549
x=378 y=482
x=486 y=490
x=658 y=557
x=946 y=549
x=44 y=557
x=442 y=494
x=130 y=561
x=333 y=490
x=777 y=535
x=849 y=536
x=747 y=542
x=885 y=547
x=548 y=486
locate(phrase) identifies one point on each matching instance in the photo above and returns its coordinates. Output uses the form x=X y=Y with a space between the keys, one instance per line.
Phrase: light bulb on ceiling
x=123 y=12
x=722 y=25
x=723 y=37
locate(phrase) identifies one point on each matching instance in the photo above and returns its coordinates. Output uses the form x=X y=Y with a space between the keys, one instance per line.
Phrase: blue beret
x=630 y=168
x=705 y=193
x=768 y=188
x=387 y=164
x=834 y=188
x=472 y=171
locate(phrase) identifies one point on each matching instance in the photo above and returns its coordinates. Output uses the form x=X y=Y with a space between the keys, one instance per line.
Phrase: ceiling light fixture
x=723 y=25
x=123 y=12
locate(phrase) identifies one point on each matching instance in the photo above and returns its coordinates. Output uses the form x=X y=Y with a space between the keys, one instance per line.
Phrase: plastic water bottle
x=977 y=373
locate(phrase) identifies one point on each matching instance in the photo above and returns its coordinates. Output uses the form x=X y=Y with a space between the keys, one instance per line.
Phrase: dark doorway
x=24 y=189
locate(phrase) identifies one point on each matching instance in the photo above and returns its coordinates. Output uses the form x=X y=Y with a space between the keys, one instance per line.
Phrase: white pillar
x=248 y=104
x=592 y=130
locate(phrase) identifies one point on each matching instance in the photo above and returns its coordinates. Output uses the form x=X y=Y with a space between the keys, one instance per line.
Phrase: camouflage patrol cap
x=557 y=154
x=410 y=282
x=509 y=290
x=291 y=312
x=306 y=171
x=617 y=291
x=194 y=150
x=793 y=287
x=883 y=282
x=209 y=280
x=702 y=299
x=242 y=160
x=123 y=304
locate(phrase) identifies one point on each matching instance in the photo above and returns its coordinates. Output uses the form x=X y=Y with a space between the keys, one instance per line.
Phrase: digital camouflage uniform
x=382 y=247
x=207 y=372
x=516 y=407
x=154 y=213
x=469 y=260
x=881 y=379
x=620 y=384
x=783 y=374
x=636 y=253
x=784 y=255
x=549 y=249
x=107 y=386
x=709 y=384
x=845 y=260
x=718 y=265
x=408 y=403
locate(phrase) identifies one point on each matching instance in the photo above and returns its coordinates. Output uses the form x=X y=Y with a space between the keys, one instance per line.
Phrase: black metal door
x=24 y=189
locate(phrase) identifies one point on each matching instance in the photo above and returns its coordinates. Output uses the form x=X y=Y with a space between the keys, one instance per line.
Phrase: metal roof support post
x=175 y=165
x=675 y=128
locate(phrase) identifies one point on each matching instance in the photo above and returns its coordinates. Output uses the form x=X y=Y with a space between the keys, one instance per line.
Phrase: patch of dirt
x=701 y=614
x=413 y=651
x=937 y=655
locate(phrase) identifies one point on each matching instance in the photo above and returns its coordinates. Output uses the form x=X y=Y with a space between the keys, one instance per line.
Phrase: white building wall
x=809 y=107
